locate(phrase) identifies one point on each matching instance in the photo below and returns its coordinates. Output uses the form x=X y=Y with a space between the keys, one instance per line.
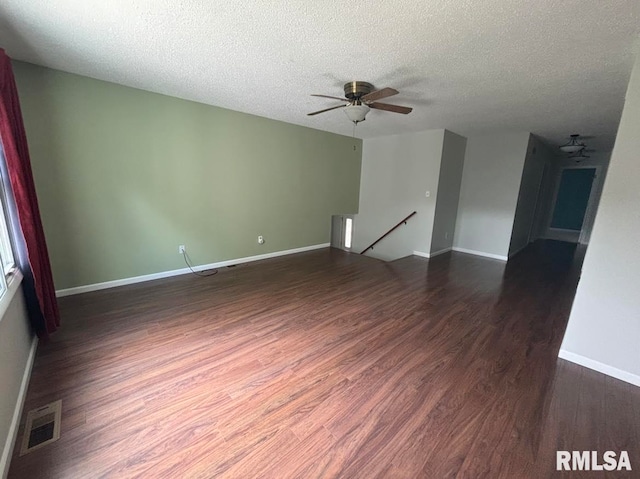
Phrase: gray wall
x=15 y=345
x=489 y=194
x=448 y=196
x=396 y=172
x=604 y=326
x=537 y=157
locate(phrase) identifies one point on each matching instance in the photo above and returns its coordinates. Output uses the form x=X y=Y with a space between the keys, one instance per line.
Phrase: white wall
x=604 y=327
x=396 y=172
x=15 y=366
x=448 y=197
x=538 y=155
x=490 y=184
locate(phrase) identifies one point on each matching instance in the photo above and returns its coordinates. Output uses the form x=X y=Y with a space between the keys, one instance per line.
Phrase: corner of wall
x=448 y=193
x=491 y=179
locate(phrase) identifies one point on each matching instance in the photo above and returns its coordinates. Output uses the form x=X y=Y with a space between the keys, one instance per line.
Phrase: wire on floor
x=197 y=273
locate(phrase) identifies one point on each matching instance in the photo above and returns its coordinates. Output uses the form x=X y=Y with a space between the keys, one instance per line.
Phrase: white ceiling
x=552 y=67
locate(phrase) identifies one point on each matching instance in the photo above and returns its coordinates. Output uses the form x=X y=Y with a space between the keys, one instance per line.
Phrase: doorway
x=342 y=232
x=572 y=203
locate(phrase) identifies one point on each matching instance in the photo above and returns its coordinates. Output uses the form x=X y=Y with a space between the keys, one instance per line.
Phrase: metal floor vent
x=42 y=427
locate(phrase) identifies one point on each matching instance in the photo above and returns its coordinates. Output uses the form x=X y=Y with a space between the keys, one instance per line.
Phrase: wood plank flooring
x=329 y=365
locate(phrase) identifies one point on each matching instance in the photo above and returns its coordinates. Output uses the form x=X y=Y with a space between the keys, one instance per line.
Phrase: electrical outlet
x=260 y=240
x=182 y=249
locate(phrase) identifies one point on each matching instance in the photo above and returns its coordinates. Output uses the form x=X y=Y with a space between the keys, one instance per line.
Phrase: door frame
x=342 y=219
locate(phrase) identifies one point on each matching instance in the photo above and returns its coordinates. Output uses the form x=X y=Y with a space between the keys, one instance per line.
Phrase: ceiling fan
x=360 y=96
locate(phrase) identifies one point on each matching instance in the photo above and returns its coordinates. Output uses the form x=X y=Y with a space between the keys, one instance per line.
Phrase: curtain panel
x=32 y=256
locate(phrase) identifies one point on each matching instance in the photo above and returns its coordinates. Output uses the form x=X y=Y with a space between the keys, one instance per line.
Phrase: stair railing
x=404 y=221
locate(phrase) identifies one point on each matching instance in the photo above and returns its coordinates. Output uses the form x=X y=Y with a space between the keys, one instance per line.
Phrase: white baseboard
x=480 y=253
x=7 y=452
x=177 y=272
x=600 y=367
x=512 y=254
x=558 y=234
x=439 y=252
x=431 y=255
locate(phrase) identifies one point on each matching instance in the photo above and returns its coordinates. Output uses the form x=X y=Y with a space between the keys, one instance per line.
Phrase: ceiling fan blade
x=332 y=97
x=379 y=94
x=394 y=108
x=327 y=109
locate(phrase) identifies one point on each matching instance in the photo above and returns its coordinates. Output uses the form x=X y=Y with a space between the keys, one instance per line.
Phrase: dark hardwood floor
x=326 y=364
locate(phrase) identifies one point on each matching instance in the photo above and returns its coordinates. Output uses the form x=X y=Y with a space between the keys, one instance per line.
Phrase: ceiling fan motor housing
x=354 y=90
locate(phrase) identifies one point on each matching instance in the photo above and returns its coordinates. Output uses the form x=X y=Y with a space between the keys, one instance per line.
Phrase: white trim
x=481 y=253
x=7 y=452
x=564 y=231
x=431 y=255
x=569 y=236
x=600 y=367
x=13 y=284
x=177 y=272
x=439 y=252
x=511 y=255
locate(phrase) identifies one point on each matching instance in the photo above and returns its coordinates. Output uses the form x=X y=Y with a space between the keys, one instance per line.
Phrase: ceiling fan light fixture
x=578 y=157
x=356 y=113
x=573 y=146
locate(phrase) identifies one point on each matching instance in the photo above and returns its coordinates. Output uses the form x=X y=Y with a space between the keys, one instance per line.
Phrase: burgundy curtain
x=34 y=260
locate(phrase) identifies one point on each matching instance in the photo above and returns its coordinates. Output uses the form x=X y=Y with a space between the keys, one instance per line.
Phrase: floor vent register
x=42 y=427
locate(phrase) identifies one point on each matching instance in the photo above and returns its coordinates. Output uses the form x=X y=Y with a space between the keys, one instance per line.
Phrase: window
x=7 y=260
x=6 y=250
x=348 y=232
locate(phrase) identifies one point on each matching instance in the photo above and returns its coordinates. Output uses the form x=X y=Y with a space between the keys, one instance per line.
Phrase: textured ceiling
x=552 y=67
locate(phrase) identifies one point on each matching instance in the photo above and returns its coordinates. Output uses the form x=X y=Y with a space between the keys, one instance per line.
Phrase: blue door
x=573 y=198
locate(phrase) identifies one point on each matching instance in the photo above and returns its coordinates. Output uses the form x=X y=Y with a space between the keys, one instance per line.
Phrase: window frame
x=7 y=234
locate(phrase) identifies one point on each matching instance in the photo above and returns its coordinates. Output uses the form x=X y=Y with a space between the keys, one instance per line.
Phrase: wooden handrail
x=387 y=233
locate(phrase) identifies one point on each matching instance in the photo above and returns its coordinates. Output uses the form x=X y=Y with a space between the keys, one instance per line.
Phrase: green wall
x=124 y=176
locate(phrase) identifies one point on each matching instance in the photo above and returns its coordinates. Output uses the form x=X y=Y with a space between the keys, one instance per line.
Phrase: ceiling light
x=578 y=157
x=573 y=146
x=356 y=113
